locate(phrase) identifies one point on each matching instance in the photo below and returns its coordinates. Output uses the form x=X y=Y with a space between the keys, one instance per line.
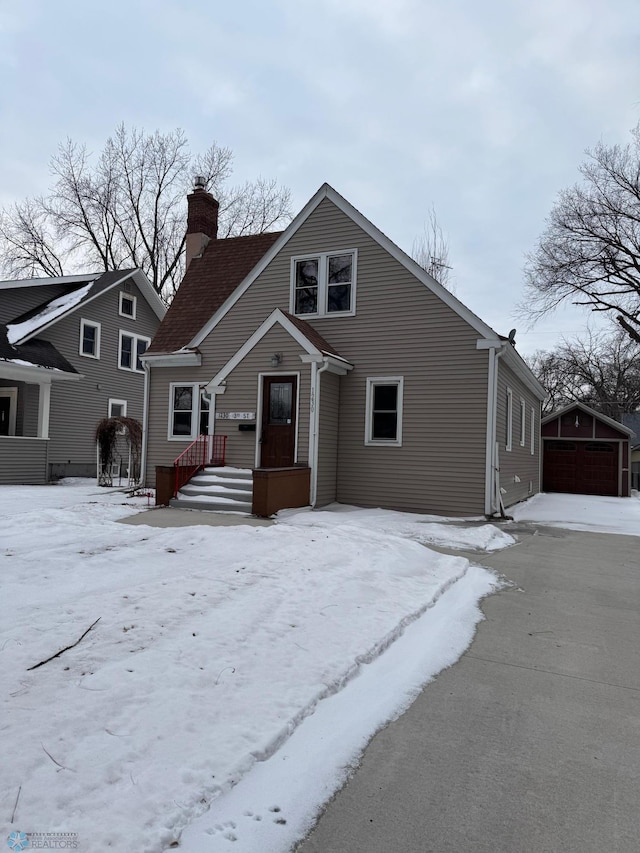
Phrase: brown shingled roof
x=208 y=282
x=312 y=336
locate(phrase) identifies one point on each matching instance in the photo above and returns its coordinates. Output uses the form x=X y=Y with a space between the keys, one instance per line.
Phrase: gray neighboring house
x=327 y=347
x=69 y=356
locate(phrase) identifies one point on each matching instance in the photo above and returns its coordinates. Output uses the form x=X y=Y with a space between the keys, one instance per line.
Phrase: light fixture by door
x=276 y=359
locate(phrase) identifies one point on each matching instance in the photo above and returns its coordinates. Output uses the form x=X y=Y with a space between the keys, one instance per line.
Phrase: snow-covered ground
x=235 y=673
x=582 y=512
x=216 y=648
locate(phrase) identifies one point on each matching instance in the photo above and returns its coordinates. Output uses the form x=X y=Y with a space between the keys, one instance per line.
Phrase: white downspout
x=145 y=424
x=492 y=486
x=315 y=383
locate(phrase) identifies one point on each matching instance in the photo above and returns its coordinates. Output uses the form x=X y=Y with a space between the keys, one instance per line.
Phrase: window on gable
x=509 y=420
x=127 y=306
x=130 y=349
x=324 y=284
x=306 y=298
x=384 y=411
x=117 y=408
x=89 y=339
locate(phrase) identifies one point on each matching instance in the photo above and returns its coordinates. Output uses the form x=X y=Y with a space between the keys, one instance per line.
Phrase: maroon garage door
x=581 y=467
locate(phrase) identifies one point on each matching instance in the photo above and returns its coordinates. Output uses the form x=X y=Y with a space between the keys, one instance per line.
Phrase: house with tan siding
x=70 y=351
x=327 y=352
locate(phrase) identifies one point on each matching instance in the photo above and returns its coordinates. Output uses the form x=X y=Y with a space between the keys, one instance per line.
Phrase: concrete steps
x=217 y=490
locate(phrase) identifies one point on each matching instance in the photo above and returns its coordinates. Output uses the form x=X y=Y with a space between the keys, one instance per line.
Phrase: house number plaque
x=235 y=416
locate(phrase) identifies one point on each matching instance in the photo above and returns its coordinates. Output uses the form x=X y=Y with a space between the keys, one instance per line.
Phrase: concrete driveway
x=531 y=742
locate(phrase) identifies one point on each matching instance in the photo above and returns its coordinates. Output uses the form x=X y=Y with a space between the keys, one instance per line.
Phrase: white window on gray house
x=130 y=349
x=204 y=413
x=523 y=422
x=183 y=399
x=324 y=284
x=509 y=420
x=533 y=431
x=127 y=306
x=89 y=339
x=117 y=408
x=384 y=411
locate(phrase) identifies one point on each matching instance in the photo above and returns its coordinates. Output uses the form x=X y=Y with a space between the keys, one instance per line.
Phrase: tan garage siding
x=519 y=469
x=328 y=438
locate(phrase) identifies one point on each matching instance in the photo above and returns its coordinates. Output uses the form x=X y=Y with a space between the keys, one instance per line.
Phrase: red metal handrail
x=196 y=456
x=218 y=449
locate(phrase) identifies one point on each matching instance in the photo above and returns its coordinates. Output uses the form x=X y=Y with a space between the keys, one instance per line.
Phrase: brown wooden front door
x=278 y=436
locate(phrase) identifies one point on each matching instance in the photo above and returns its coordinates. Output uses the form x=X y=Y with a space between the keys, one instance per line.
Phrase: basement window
x=117 y=408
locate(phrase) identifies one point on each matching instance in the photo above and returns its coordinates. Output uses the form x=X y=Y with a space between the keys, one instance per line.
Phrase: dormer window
x=324 y=284
x=127 y=306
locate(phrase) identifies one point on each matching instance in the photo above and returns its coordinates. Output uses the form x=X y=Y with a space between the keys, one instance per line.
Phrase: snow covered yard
x=213 y=644
x=582 y=512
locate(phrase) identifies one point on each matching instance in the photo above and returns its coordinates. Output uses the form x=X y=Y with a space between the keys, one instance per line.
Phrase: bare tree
x=589 y=253
x=431 y=251
x=599 y=369
x=127 y=208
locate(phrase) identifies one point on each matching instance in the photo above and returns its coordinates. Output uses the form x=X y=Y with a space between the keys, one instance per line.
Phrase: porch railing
x=196 y=456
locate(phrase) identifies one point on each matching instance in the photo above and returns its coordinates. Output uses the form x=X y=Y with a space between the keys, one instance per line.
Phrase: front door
x=278 y=436
x=5 y=411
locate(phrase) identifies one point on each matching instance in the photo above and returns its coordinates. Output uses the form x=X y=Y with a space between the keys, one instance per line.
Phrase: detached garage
x=585 y=453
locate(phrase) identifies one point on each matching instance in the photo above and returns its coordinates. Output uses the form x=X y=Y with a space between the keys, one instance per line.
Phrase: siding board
x=400 y=329
x=519 y=469
x=23 y=461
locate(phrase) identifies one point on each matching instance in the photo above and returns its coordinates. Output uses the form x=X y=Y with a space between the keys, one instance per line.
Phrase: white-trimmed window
x=89 y=339
x=183 y=408
x=130 y=348
x=127 y=305
x=117 y=408
x=533 y=431
x=523 y=422
x=324 y=284
x=509 y=420
x=384 y=411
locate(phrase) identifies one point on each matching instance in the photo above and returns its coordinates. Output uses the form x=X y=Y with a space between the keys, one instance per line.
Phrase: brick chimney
x=202 y=220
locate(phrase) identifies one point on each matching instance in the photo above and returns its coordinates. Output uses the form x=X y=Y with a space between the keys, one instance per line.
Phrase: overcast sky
x=481 y=109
